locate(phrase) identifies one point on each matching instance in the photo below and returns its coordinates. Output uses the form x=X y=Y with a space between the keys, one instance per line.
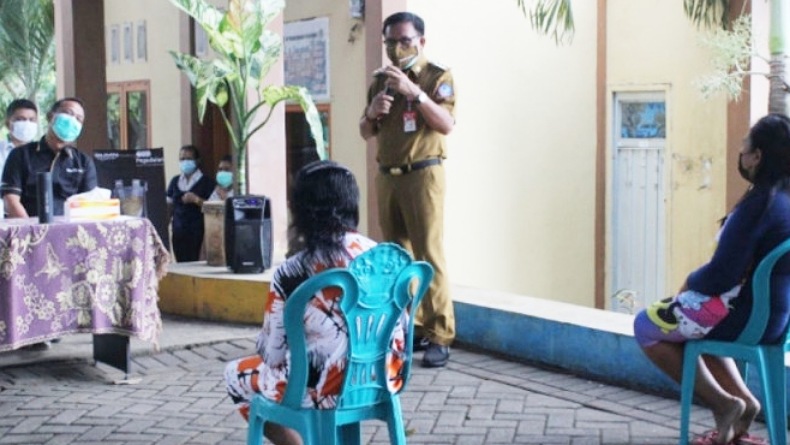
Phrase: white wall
x=163 y=29
x=521 y=164
x=651 y=44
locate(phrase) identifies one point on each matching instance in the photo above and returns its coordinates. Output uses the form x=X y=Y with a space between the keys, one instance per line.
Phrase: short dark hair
x=325 y=205
x=404 y=17
x=19 y=104
x=771 y=135
x=226 y=158
x=60 y=102
x=193 y=149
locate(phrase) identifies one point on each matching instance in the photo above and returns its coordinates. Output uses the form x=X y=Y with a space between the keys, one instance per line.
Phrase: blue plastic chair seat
x=376 y=288
x=768 y=359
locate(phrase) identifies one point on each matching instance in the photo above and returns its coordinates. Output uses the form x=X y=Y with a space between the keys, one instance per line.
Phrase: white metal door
x=638 y=266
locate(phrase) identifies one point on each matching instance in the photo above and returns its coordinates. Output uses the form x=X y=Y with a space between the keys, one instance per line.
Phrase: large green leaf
x=273 y=95
x=245 y=52
x=246 y=21
x=208 y=77
x=270 y=9
x=209 y=18
x=205 y=14
x=268 y=54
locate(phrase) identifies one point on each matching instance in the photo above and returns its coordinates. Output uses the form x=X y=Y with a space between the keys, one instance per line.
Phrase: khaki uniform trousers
x=411 y=213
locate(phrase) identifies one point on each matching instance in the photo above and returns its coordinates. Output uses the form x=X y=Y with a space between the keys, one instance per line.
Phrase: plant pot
x=214 y=234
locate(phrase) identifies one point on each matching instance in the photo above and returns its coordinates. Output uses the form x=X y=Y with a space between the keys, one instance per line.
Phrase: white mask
x=24 y=131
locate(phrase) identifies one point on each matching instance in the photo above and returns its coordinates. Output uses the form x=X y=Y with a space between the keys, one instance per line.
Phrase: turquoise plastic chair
x=377 y=287
x=770 y=359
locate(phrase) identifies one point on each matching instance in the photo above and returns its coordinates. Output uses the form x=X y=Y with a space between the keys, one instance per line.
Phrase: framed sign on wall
x=306 y=48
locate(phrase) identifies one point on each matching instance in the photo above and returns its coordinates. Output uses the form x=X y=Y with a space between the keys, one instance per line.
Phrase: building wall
x=163 y=25
x=520 y=208
x=521 y=166
x=348 y=84
x=652 y=45
x=518 y=181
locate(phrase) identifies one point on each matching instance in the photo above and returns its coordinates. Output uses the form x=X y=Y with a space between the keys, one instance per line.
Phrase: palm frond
x=551 y=17
x=708 y=13
x=27 y=42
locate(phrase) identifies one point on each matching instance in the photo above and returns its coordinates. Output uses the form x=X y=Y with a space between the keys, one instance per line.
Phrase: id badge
x=409 y=121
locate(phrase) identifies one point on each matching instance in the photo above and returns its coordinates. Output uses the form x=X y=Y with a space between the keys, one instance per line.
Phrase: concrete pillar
x=80 y=62
x=266 y=166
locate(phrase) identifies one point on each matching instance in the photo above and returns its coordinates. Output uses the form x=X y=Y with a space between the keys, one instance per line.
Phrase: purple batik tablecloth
x=64 y=278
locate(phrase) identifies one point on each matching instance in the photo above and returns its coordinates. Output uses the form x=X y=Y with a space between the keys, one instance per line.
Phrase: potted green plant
x=243 y=52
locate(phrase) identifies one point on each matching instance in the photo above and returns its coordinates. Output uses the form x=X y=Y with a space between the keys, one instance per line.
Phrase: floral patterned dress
x=327 y=339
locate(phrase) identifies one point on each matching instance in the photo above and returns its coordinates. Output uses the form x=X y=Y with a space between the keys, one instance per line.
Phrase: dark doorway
x=300 y=146
x=213 y=140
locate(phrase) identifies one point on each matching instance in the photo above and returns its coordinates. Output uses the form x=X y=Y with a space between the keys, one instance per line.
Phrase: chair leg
x=774 y=384
x=395 y=423
x=255 y=430
x=687 y=381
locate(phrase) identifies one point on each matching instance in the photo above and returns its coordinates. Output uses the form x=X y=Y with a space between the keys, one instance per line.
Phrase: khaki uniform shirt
x=397 y=147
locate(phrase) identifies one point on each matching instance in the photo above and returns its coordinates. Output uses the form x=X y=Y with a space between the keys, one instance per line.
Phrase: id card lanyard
x=409 y=118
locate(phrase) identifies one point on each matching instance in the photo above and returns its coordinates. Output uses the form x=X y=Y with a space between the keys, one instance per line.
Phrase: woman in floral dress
x=325 y=208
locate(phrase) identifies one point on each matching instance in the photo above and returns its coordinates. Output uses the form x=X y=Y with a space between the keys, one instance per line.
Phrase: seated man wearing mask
x=21 y=119
x=72 y=171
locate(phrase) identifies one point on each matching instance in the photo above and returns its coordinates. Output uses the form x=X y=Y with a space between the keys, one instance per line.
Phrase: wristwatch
x=422 y=97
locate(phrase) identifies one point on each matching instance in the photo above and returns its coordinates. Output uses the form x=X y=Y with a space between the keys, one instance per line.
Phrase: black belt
x=403 y=169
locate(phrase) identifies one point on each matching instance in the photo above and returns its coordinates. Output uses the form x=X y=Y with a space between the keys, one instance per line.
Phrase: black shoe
x=419 y=344
x=436 y=356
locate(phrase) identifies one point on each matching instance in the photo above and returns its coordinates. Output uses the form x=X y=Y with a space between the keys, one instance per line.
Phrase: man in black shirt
x=72 y=171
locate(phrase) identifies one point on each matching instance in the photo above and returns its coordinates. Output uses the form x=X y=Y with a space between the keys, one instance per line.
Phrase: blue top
x=758 y=223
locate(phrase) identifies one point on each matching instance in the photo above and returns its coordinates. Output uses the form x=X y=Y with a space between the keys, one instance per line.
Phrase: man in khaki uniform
x=410 y=110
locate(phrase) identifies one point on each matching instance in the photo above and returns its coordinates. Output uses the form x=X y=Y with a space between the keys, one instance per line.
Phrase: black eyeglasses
x=403 y=41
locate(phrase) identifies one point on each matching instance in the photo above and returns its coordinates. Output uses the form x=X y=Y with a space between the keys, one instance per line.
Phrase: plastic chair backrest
x=375 y=289
x=761 y=296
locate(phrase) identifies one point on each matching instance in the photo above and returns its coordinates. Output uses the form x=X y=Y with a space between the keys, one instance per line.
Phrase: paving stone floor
x=180 y=399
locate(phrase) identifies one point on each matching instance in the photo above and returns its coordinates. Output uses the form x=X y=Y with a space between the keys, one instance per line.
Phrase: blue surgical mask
x=66 y=127
x=188 y=166
x=224 y=179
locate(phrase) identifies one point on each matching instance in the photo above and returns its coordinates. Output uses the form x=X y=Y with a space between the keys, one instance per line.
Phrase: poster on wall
x=306 y=48
x=137 y=178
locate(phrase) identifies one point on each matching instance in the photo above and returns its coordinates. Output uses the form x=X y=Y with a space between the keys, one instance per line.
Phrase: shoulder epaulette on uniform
x=439 y=66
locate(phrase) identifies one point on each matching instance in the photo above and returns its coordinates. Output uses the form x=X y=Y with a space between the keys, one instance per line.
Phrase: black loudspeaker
x=248 y=233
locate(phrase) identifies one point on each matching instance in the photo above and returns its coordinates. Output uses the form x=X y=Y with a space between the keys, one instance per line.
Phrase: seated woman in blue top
x=716 y=300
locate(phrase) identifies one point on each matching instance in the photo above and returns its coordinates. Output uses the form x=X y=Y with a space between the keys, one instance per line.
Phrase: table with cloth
x=64 y=277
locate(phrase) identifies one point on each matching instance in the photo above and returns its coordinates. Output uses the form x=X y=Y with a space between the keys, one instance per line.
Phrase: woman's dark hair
x=192 y=149
x=771 y=135
x=404 y=17
x=324 y=206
